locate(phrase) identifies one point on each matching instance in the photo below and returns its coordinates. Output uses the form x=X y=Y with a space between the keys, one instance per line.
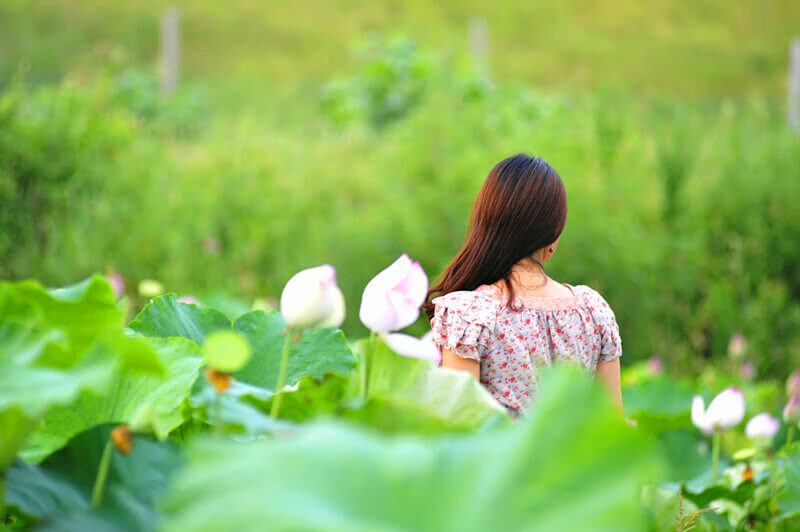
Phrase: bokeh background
x=311 y=131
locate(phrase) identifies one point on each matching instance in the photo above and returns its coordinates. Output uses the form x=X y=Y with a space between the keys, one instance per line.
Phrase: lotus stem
x=276 y=400
x=368 y=356
x=102 y=473
x=2 y=501
x=217 y=415
x=715 y=439
x=790 y=433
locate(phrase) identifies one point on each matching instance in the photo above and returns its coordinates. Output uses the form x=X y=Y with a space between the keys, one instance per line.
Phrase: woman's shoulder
x=475 y=306
x=595 y=301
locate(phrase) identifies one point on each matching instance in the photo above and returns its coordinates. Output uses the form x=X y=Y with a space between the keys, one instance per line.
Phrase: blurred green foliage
x=390 y=82
x=681 y=211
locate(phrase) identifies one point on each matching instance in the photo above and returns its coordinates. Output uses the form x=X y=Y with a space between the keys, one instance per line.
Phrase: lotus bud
x=762 y=426
x=391 y=300
x=737 y=346
x=655 y=366
x=311 y=298
x=117 y=283
x=122 y=438
x=150 y=288
x=793 y=384
x=409 y=346
x=189 y=300
x=791 y=413
x=725 y=411
x=747 y=370
x=211 y=245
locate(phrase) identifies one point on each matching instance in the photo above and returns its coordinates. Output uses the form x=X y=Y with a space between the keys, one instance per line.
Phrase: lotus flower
x=150 y=288
x=117 y=283
x=793 y=384
x=791 y=413
x=189 y=300
x=737 y=346
x=311 y=298
x=409 y=346
x=655 y=366
x=762 y=426
x=391 y=300
x=747 y=370
x=726 y=410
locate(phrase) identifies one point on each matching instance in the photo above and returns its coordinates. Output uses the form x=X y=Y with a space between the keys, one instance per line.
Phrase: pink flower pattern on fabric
x=511 y=344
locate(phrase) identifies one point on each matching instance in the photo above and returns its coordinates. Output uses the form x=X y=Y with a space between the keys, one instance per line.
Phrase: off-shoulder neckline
x=577 y=300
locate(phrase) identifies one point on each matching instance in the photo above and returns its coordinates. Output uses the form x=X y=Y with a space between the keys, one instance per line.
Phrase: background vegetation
x=299 y=137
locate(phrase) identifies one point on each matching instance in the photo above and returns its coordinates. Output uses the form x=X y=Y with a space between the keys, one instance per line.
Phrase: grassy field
x=701 y=48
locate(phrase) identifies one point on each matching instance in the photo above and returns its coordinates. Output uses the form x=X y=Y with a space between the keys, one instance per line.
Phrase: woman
x=498 y=315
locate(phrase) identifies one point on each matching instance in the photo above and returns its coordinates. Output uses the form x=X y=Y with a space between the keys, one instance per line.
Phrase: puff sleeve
x=463 y=322
x=610 y=341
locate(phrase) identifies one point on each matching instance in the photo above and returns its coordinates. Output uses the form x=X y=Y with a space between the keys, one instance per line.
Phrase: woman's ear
x=550 y=250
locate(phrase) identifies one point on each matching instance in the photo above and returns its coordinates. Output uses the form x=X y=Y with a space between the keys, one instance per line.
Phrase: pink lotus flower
x=725 y=411
x=117 y=282
x=189 y=300
x=210 y=245
x=655 y=365
x=791 y=413
x=391 y=300
x=762 y=426
x=793 y=384
x=737 y=346
x=747 y=370
x=311 y=298
x=409 y=346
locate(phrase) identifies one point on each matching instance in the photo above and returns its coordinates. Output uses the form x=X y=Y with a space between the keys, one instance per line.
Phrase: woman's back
x=512 y=343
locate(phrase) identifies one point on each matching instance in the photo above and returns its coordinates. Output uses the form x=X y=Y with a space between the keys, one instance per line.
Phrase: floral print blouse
x=511 y=344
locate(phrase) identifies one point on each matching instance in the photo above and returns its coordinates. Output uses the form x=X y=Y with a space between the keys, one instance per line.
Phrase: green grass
x=705 y=47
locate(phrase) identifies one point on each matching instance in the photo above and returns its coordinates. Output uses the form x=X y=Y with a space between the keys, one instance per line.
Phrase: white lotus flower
x=391 y=300
x=409 y=346
x=762 y=426
x=726 y=410
x=311 y=298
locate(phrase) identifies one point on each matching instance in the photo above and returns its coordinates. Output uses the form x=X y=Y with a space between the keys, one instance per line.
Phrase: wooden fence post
x=793 y=103
x=170 y=51
x=479 y=41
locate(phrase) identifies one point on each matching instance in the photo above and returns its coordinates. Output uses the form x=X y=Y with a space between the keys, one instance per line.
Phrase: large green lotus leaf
x=129 y=392
x=83 y=311
x=28 y=392
x=16 y=427
x=240 y=411
x=742 y=493
x=319 y=351
x=16 y=307
x=57 y=492
x=409 y=394
x=788 y=498
x=572 y=465
x=659 y=403
x=38 y=492
x=310 y=398
x=165 y=317
x=680 y=448
x=23 y=343
x=35 y=389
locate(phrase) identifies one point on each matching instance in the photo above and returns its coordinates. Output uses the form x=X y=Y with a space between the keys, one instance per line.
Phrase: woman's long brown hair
x=521 y=207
